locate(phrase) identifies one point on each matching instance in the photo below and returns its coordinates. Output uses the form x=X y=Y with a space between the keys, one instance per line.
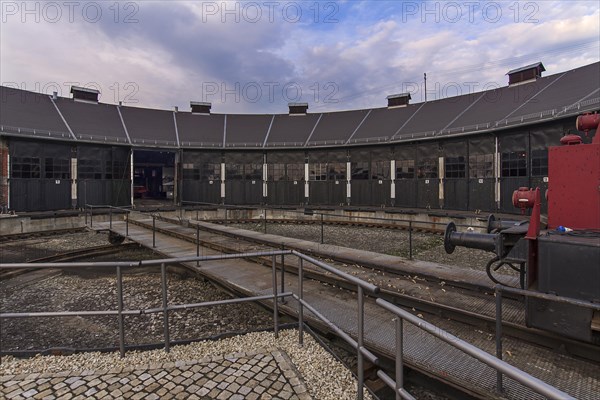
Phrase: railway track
x=38 y=234
x=401 y=225
x=7 y=273
x=436 y=298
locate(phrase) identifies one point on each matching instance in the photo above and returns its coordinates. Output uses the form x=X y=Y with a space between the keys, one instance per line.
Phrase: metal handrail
x=518 y=375
x=397 y=384
x=498 y=289
x=120 y=312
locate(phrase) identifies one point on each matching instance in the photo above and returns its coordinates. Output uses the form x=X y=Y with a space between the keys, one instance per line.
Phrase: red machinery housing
x=574 y=180
x=564 y=259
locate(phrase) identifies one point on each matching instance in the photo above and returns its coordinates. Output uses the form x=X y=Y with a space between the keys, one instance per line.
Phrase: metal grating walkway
x=422 y=351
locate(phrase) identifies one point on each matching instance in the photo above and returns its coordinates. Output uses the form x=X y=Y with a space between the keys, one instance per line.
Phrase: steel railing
x=358 y=344
x=499 y=289
x=324 y=218
x=503 y=367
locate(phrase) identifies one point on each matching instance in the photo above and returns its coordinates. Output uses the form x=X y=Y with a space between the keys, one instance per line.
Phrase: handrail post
x=85 y=213
x=322 y=230
x=301 y=306
x=399 y=355
x=360 y=370
x=91 y=217
x=154 y=231
x=163 y=281
x=275 y=305
x=499 y=337
x=265 y=220
x=282 y=272
x=110 y=218
x=120 y=311
x=410 y=250
x=197 y=243
x=127 y=224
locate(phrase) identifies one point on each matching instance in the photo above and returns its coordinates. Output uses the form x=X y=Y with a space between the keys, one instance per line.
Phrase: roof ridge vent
x=526 y=74
x=298 y=108
x=398 y=100
x=200 y=107
x=85 y=95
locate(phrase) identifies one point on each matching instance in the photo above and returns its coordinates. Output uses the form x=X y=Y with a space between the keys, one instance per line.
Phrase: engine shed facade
x=467 y=152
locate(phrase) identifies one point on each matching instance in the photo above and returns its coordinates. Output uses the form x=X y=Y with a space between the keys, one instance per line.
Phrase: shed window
x=427 y=168
x=381 y=170
x=481 y=166
x=211 y=172
x=360 y=170
x=539 y=162
x=57 y=168
x=285 y=172
x=336 y=171
x=405 y=169
x=276 y=172
x=90 y=169
x=514 y=163
x=253 y=171
x=26 y=167
x=318 y=172
x=120 y=169
x=295 y=172
x=455 y=167
x=234 y=171
x=190 y=172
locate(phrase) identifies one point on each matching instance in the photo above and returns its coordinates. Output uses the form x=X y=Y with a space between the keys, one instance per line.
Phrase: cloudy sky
x=255 y=57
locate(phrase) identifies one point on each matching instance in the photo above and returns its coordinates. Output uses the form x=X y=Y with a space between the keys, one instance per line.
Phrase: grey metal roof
x=200 y=130
x=436 y=115
x=249 y=130
x=383 y=123
x=291 y=131
x=149 y=127
x=98 y=122
x=572 y=87
x=555 y=96
x=336 y=127
x=32 y=113
x=497 y=104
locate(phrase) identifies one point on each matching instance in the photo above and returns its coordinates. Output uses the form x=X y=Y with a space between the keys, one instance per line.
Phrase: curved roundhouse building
x=464 y=153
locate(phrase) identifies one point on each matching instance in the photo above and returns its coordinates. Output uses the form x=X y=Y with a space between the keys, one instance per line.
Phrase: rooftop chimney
x=298 y=108
x=85 y=94
x=525 y=74
x=398 y=100
x=175 y=108
x=54 y=95
x=199 y=107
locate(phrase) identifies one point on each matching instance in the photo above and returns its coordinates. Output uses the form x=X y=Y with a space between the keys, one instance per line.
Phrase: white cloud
x=376 y=48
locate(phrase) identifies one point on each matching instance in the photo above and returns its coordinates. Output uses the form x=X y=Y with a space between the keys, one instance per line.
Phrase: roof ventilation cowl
x=200 y=107
x=298 y=108
x=398 y=100
x=528 y=73
x=85 y=95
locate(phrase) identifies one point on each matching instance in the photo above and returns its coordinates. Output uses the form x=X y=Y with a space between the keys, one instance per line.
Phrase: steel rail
x=516 y=330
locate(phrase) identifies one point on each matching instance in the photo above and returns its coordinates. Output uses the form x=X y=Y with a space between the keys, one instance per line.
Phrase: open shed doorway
x=153 y=177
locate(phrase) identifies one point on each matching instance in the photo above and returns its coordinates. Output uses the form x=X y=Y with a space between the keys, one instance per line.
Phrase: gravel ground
x=325 y=378
x=426 y=246
x=91 y=290
x=31 y=249
x=96 y=290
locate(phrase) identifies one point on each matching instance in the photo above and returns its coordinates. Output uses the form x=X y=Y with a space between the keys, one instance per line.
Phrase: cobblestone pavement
x=266 y=374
